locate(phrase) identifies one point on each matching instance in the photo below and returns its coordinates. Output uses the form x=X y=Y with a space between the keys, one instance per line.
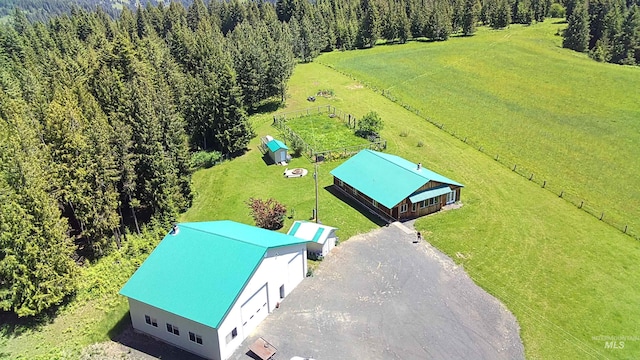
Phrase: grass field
x=324 y=133
x=567 y=277
x=518 y=94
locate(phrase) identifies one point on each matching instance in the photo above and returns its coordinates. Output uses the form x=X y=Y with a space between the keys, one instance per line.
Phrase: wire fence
x=315 y=155
x=560 y=190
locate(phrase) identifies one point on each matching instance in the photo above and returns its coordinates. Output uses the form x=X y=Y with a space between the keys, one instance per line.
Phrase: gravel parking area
x=381 y=296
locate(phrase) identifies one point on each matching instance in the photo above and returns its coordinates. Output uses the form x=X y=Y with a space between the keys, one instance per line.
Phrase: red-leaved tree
x=268 y=214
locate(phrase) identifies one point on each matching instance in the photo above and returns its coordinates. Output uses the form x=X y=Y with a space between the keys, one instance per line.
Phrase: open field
x=324 y=133
x=565 y=118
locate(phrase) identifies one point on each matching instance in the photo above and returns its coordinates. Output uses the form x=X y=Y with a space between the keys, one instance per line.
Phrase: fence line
x=279 y=122
x=572 y=198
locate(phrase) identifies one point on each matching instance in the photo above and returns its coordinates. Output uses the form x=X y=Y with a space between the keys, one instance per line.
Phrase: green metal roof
x=428 y=194
x=386 y=178
x=275 y=145
x=200 y=272
x=310 y=231
x=317 y=235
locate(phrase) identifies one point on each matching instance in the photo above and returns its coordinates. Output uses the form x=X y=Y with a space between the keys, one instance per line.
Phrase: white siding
x=209 y=348
x=272 y=273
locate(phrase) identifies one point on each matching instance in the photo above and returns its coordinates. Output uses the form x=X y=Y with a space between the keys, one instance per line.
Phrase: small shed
x=321 y=238
x=277 y=151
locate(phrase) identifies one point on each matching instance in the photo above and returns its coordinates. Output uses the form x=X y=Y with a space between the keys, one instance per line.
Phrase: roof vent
x=419 y=166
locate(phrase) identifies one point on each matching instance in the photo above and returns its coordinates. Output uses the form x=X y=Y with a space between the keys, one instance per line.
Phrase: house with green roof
x=207 y=285
x=321 y=238
x=392 y=187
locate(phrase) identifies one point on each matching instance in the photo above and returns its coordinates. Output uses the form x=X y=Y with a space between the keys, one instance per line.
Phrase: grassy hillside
x=565 y=118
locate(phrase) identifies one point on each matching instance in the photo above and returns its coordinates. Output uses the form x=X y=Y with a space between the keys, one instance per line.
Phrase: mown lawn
x=324 y=133
x=569 y=120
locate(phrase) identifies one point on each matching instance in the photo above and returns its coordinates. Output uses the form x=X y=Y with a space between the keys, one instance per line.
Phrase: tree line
x=609 y=30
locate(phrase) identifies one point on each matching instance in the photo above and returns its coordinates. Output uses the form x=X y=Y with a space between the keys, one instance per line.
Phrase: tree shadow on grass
x=132 y=341
x=266 y=107
x=13 y=326
x=368 y=213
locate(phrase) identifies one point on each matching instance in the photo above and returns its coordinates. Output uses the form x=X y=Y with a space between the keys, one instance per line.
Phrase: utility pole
x=315 y=176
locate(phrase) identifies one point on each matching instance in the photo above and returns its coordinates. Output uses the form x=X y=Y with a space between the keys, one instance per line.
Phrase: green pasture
x=324 y=133
x=552 y=112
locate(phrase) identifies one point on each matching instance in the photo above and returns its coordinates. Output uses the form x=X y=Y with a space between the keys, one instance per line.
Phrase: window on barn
x=340 y=183
x=404 y=208
x=374 y=203
x=413 y=207
x=195 y=338
x=173 y=329
x=151 y=321
x=433 y=201
x=232 y=335
x=423 y=204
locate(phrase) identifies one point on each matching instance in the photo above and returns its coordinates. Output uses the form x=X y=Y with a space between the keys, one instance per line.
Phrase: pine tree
x=576 y=36
x=369 y=29
x=470 y=17
x=36 y=268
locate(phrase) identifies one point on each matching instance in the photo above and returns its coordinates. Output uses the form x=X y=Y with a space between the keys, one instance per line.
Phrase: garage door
x=254 y=310
x=296 y=270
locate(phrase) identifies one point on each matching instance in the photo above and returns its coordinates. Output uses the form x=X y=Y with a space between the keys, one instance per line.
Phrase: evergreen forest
x=101 y=113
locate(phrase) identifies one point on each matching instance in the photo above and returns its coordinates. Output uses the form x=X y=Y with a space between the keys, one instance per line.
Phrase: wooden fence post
x=601 y=215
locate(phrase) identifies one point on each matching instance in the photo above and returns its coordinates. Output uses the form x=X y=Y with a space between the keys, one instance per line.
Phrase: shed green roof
x=275 y=145
x=428 y=194
x=386 y=178
x=199 y=272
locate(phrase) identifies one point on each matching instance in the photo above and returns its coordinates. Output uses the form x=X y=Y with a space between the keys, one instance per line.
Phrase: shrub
x=420 y=144
x=267 y=214
x=404 y=133
x=557 y=11
x=205 y=159
x=370 y=124
x=297 y=146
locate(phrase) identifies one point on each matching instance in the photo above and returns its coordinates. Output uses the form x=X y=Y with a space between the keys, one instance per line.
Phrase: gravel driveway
x=381 y=296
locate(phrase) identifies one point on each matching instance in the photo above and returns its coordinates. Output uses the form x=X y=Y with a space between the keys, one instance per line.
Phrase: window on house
x=199 y=339
x=413 y=207
x=340 y=183
x=154 y=322
x=433 y=201
x=423 y=204
x=374 y=203
x=404 y=208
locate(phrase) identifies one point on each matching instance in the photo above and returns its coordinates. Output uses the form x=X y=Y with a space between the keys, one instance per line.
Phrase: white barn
x=207 y=285
x=321 y=238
